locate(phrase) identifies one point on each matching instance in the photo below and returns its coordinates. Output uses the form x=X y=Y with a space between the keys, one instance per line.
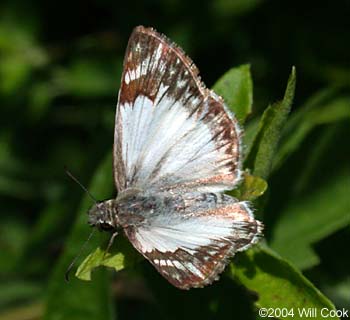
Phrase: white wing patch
x=166 y=133
x=168 y=233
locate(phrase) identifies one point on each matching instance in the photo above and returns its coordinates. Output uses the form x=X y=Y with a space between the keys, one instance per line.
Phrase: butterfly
x=177 y=148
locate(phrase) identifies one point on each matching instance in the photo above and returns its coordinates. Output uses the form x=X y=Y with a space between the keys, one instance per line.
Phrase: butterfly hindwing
x=171 y=132
x=190 y=245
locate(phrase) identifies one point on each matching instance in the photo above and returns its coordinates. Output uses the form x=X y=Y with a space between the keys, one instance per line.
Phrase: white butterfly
x=176 y=148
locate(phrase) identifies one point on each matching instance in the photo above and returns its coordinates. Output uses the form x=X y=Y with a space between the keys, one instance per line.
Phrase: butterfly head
x=103 y=216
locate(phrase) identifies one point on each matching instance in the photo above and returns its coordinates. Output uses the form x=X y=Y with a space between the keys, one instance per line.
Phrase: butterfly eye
x=106 y=227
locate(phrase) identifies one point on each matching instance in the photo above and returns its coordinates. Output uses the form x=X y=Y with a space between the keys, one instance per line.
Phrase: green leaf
x=236 y=87
x=263 y=149
x=339 y=290
x=250 y=130
x=250 y=188
x=320 y=111
x=277 y=283
x=79 y=299
x=97 y=258
x=123 y=256
x=311 y=218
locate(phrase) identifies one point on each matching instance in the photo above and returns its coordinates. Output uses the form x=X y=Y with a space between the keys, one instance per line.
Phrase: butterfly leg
x=111 y=240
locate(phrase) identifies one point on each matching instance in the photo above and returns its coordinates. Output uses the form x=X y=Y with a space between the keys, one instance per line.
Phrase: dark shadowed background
x=60 y=68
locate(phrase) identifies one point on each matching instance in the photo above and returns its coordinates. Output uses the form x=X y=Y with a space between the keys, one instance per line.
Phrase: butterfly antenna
x=69 y=174
x=66 y=275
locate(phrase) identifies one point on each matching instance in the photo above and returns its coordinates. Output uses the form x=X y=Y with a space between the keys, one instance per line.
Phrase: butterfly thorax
x=130 y=208
x=134 y=206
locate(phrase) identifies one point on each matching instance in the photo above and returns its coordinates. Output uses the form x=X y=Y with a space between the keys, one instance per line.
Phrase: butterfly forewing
x=171 y=132
x=191 y=243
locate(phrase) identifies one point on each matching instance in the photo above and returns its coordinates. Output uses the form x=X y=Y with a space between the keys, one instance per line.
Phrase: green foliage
x=100 y=258
x=263 y=149
x=313 y=217
x=20 y=55
x=73 y=299
x=122 y=256
x=277 y=282
x=237 y=87
x=59 y=77
x=325 y=107
x=250 y=188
